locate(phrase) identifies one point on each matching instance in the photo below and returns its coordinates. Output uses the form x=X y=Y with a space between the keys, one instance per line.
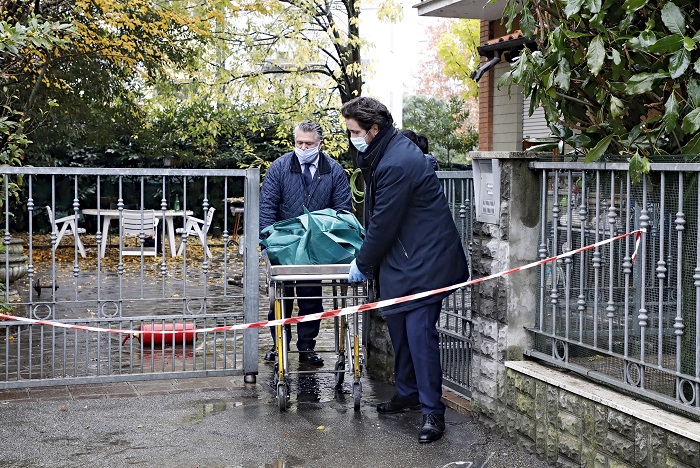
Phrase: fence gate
x=455 y=325
x=65 y=258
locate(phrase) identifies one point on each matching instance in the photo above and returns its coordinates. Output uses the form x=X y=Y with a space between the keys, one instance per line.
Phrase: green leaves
x=596 y=55
x=664 y=45
x=598 y=150
x=630 y=6
x=563 y=75
x=693 y=146
x=572 y=7
x=644 y=82
x=691 y=122
x=638 y=165
x=617 y=107
x=673 y=18
x=627 y=77
x=441 y=122
x=678 y=63
x=670 y=117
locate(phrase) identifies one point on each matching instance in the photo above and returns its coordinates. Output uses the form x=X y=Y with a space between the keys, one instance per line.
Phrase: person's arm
x=270 y=197
x=391 y=199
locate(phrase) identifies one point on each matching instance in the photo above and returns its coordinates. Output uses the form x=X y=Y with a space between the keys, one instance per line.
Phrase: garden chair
x=137 y=223
x=66 y=226
x=196 y=227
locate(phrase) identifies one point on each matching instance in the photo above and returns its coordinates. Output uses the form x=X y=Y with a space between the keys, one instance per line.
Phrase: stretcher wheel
x=340 y=371
x=357 y=394
x=282 y=395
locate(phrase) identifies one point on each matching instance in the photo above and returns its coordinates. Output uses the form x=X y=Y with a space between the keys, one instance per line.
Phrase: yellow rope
x=358 y=196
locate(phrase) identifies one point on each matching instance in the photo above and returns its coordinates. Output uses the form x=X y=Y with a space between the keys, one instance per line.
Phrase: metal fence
x=630 y=323
x=455 y=325
x=67 y=259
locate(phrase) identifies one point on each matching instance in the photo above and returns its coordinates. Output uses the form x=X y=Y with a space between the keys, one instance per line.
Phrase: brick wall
x=485 y=95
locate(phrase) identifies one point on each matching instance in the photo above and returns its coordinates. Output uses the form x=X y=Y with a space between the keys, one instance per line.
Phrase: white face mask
x=360 y=143
x=306 y=156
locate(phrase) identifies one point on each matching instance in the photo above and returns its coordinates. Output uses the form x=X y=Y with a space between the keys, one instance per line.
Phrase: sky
x=395 y=57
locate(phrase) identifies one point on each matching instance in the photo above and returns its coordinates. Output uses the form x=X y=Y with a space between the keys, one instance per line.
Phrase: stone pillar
x=380 y=353
x=503 y=307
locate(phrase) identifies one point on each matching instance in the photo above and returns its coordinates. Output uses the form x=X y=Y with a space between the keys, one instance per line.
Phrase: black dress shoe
x=433 y=428
x=271 y=355
x=399 y=403
x=309 y=356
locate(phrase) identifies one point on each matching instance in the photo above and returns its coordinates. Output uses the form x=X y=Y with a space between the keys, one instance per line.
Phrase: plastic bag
x=322 y=237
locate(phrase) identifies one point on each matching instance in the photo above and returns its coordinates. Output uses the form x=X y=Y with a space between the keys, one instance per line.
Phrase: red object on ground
x=169 y=333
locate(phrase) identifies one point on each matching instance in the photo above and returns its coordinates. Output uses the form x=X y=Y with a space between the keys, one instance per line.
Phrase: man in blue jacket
x=305 y=177
x=411 y=245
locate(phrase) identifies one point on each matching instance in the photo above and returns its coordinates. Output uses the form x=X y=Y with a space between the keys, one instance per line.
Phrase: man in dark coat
x=411 y=245
x=305 y=177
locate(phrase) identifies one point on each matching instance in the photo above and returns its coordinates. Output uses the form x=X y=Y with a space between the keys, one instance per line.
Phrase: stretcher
x=349 y=339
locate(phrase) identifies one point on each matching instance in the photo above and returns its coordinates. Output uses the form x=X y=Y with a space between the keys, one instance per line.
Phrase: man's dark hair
x=410 y=134
x=422 y=142
x=367 y=111
x=309 y=126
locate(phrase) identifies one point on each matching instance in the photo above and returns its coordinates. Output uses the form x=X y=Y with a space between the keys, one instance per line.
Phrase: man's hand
x=263 y=254
x=355 y=275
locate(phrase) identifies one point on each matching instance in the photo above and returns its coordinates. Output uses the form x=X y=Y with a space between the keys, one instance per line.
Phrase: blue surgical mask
x=360 y=143
x=306 y=156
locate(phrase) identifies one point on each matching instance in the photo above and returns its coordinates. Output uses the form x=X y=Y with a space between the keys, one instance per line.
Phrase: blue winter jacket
x=283 y=194
x=411 y=240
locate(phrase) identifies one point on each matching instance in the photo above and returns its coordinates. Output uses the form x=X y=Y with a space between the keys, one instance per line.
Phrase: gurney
x=349 y=340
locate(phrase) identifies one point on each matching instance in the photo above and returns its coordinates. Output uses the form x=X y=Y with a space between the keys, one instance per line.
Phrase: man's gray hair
x=309 y=126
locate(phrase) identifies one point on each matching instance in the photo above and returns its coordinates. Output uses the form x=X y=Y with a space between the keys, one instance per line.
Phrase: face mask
x=306 y=156
x=359 y=143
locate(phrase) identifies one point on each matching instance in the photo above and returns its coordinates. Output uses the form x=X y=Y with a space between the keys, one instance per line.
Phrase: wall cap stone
x=506 y=154
x=639 y=409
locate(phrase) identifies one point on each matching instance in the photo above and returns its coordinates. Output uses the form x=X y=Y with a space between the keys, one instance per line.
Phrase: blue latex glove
x=355 y=275
x=263 y=253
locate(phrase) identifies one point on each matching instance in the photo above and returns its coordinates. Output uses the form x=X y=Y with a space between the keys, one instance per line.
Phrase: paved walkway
x=222 y=422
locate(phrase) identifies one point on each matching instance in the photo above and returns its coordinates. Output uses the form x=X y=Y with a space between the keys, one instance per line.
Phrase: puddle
x=214 y=407
x=286 y=463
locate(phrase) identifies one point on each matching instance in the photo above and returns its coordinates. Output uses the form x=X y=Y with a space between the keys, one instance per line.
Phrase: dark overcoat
x=283 y=194
x=411 y=239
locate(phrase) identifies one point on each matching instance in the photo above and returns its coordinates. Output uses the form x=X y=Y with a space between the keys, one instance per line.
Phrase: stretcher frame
x=350 y=339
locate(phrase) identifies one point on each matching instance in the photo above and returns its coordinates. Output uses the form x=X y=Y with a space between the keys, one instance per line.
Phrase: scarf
x=368 y=161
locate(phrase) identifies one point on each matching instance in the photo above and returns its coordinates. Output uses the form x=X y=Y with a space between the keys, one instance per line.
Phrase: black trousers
x=306 y=331
x=417 y=368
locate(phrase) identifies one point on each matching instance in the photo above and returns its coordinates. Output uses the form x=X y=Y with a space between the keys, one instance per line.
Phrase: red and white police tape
x=345 y=311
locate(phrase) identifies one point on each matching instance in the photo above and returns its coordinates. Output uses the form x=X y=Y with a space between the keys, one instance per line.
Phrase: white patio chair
x=197 y=227
x=136 y=223
x=66 y=226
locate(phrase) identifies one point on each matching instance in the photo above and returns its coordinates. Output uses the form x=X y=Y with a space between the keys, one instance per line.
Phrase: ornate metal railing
x=631 y=323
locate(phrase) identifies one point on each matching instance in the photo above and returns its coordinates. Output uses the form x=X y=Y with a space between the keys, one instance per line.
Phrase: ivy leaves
x=627 y=79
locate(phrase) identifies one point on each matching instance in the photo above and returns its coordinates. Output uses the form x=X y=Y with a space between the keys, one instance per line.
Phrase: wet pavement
x=223 y=422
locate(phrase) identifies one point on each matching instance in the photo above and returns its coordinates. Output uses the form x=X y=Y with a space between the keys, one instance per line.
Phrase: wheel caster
x=282 y=395
x=339 y=372
x=357 y=395
x=250 y=378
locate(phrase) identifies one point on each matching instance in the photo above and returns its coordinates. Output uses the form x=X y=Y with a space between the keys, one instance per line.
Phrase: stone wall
x=572 y=422
x=503 y=307
x=567 y=420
